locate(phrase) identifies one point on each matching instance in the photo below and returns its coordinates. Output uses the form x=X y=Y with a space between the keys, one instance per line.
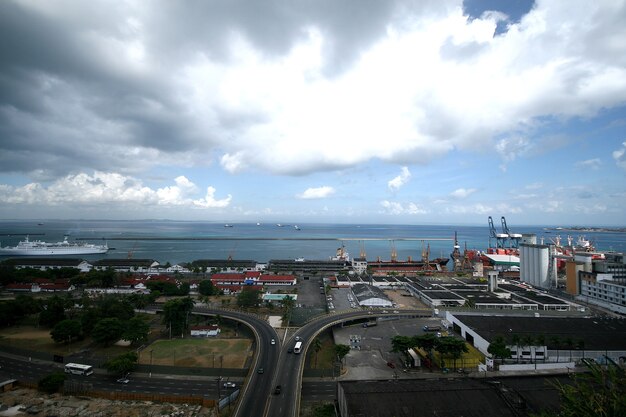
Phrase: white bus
x=298 y=347
x=78 y=369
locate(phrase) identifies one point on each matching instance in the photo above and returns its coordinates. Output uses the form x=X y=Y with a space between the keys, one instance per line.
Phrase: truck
x=369 y=324
x=431 y=328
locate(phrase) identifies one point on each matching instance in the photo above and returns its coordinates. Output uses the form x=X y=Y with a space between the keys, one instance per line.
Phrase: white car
x=123 y=381
x=229 y=385
x=297 y=338
x=273 y=342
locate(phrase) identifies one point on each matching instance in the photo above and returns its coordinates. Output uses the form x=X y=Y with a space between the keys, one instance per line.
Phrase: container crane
x=514 y=238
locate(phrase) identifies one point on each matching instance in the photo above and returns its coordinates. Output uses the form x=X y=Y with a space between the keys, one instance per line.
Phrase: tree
x=499 y=349
x=556 y=343
x=341 y=351
x=113 y=306
x=527 y=341
x=451 y=346
x=175 y=314
x=51 y=383
x=53 y=311
x=206 y=287
x=136 y=331
x=122 y=364
x=598 y=393
x=248 y=297
x=515 y=341
x=288 y=306
x=107 y=331
x=317 y=346
x=66 y=330
x=400 y=344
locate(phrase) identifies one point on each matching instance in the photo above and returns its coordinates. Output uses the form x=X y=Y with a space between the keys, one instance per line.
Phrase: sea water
x=181 y=241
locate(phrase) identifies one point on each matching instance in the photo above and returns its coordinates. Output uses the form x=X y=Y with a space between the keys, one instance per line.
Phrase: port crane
x=501 y=238
x=514 y=238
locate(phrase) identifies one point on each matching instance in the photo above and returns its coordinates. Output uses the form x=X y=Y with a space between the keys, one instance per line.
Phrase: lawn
x=199 y=352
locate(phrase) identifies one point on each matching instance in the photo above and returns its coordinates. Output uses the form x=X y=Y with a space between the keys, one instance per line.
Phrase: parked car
x=229 y=385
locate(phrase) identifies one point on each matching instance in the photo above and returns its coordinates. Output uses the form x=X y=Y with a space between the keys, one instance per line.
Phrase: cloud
x=594 y=164
x=461 y=193
x=400 y=180
x=619 y=156
x=291 y=88
x=103 y=189
x=510 y=149
x=395 y=208
x=316 y=193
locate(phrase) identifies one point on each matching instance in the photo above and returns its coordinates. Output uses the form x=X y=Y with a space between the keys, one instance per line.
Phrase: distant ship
x=40 y=248
x=296 y=227
x=228 y=225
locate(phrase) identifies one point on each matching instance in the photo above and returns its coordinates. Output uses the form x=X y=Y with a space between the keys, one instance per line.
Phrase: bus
x=298 y=347
x=78 y=369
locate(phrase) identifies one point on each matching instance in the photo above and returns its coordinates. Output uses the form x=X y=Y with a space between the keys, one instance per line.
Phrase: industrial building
x=490 y=397
x=537 y=265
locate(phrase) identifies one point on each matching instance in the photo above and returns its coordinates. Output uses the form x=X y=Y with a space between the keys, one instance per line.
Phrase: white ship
x=40 y=248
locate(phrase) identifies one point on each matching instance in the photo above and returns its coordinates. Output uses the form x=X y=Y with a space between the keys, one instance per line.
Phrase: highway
x=256 y=397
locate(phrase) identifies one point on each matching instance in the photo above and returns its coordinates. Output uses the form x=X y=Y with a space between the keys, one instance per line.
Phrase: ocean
x=180 y=241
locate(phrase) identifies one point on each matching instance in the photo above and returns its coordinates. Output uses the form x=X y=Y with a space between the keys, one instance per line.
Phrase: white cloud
x=315 y=193
x=400 y=180
x=395 y=208
x=483 y=209
x=104 y=188
x=594 y=164
x=511 y=148
x=461 y=193
x=534 y=186
x=620 y=156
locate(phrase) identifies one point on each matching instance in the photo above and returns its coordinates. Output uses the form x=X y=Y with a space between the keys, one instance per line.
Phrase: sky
x=353 y=111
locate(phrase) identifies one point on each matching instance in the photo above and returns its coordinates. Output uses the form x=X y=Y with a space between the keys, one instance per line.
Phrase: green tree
x=206 y=288
x=89 y=318
x=400 y=344
x=598 y=393
x=66 y=330
x=452 y=347
x=53 y=311
x=107 y=331
x=176 y=313
x=136 y=331
x=51 y=383
x=122 y=364
x=248 y=297
x=288 y=305
x=499 y=349
x=317 y=346
x=341 y=351
x=113 y=306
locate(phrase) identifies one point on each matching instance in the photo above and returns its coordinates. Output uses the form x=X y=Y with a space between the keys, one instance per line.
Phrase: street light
x=150 y=363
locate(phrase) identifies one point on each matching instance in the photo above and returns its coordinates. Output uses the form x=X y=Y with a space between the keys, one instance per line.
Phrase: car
x=260 y=371
x=123 y=381
x=229 y=385
x=277 y=390
x=273 y=342
x=290 y=350
x=297 y=338
x=391 y=365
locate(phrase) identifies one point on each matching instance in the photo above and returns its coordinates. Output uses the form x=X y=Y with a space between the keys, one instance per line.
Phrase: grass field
x=205 y=352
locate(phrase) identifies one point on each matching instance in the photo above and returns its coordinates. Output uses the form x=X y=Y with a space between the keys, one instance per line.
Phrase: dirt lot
x=29 y=402
x=404 y=301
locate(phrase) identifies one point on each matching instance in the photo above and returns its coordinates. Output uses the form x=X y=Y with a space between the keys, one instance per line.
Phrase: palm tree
x=556 y=342
x=541 y=341
x=317 y=346
x=527 y=341
x=580 y=344
x=569 y=342
x=515 y=341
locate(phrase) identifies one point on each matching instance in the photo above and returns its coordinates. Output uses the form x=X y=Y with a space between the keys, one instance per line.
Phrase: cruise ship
x=40 y=248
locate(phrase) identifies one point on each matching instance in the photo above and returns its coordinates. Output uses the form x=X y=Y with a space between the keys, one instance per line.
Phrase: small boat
x=296 y=227
x=228 y=225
